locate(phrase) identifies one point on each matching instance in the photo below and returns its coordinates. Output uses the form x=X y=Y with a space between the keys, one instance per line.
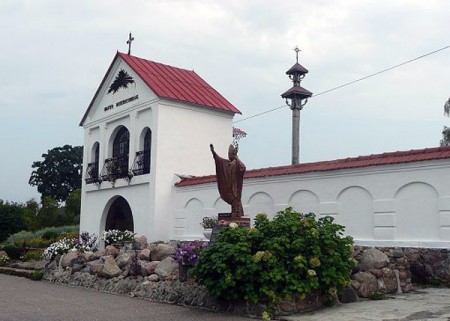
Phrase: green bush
x=33 y=255
x=25 y=236
x=50 y=235
x=37 y=275
x=292 y=255
x=12 y=251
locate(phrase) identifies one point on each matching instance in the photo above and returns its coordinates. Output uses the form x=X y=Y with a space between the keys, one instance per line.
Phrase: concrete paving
x=23 y=299
x=423 y=304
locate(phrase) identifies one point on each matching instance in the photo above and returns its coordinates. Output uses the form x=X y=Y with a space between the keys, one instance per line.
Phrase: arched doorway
x=119 y=216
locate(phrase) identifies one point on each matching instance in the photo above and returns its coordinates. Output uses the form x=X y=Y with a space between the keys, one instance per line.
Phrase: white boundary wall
x=388 y=205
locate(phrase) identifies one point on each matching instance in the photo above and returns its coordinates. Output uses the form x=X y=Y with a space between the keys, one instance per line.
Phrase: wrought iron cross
x=296 y=52
x=130 y=39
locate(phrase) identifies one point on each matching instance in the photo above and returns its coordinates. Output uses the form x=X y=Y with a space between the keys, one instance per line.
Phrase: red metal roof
x=171 y=83
x=351 y=162
x=178 y=84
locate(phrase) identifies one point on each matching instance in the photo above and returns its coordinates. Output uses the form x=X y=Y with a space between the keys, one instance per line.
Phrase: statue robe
x=230 y=178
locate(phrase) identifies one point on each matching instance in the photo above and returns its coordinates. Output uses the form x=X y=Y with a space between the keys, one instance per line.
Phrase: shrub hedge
x=292 y=255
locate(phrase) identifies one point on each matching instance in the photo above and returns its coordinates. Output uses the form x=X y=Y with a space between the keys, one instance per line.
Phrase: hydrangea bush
x=292 y=255
x=117 y=237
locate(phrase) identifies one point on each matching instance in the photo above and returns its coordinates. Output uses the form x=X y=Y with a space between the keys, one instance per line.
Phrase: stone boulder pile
x=154 y=261
x=381 y=270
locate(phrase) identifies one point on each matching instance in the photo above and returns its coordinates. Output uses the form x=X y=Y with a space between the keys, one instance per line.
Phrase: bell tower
x=296 y=98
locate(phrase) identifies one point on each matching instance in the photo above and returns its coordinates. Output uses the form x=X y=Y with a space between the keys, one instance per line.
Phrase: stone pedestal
x=226 y=219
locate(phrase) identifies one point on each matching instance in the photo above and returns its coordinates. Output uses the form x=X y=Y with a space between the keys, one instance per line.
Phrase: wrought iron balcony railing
x=141 y=164
x=114 y=168
x=92 y=173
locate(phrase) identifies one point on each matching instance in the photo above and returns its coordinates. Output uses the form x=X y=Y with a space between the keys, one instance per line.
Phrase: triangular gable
x=167 y=82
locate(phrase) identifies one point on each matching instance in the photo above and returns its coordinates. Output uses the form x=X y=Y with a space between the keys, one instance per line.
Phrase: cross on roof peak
x=130 y=39
x=296 y=52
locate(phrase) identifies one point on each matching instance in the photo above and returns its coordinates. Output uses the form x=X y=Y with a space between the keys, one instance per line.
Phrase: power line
x=351 y=82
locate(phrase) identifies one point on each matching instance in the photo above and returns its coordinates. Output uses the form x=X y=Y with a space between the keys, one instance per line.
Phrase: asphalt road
x=24 y=300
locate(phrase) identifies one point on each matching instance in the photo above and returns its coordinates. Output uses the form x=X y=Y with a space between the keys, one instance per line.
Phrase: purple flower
x=188 y=254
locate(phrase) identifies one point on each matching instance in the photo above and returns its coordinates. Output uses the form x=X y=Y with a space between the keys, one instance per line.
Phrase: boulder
x=390 y=280
x=96 y=266
x=111 y=250
x=161 y=251
x=77 y=267
x=123 y=259
x=145 y=255
x=372 y=259
x=167 y=267
x=91 y=256
x=153 y=278
x=140 y=243
x=148 y=268
x=110 y=268
x=69 y=259
x=348 y=295
x=368 y=283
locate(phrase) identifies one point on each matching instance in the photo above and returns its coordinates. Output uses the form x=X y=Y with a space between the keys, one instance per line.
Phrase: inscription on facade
x=122 y=102
x=125 y=101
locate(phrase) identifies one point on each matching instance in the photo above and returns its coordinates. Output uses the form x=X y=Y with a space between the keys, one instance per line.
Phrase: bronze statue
x=230 y=178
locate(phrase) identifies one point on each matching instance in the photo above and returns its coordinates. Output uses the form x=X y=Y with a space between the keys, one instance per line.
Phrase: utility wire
x=351 y=82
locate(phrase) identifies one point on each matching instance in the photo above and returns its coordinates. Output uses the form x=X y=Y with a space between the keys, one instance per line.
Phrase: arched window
x=121 y=151
x=117 y=166
x=121 y=145
x=147 y=150
x=92 y=168
x=141 y=163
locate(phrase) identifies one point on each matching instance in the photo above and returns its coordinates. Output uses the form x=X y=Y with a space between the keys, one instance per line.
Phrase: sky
x=55 y=54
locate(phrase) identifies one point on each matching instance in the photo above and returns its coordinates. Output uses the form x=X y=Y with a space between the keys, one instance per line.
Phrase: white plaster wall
x=182 y=145
x=96 y=206
x=395 y=205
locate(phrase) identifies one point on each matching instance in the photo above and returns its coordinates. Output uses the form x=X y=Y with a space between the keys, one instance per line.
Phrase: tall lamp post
x=296 y=98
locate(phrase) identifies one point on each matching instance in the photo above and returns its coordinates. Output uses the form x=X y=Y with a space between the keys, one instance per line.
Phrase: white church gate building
x=146 y=123
x=148 y=168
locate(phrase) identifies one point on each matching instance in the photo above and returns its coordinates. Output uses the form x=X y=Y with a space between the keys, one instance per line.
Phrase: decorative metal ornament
x=122 y=80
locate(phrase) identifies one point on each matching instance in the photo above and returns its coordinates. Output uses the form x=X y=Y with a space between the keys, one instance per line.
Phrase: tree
x=48 y=213
x=29 y=214
x=445 y=141
x=60 y=172
x=11 y=220
x=73 y=207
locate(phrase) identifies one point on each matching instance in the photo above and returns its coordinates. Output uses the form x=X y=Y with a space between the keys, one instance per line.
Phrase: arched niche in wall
x=194 y=214
x=117 y=215
x=355 y=212
x=304 y=202
x=417 y=212
x=259 y=202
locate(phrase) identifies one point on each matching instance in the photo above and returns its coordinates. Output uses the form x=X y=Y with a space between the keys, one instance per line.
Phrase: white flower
x=233 y=225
